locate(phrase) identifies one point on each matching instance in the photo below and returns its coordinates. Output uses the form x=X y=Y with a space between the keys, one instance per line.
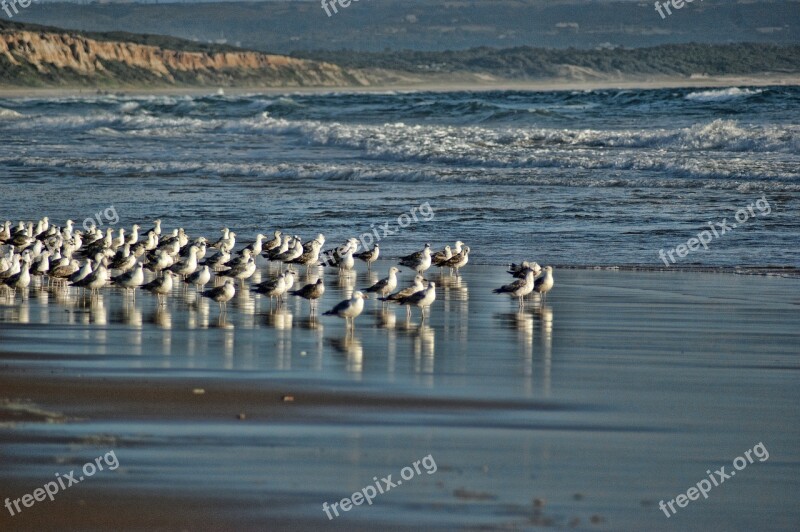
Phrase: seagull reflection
x=280 y=318
x=227 y=347
x=350 y=346
x=161 y=317
x=244 y=301
x=222 y=322
x=545 y=316
x=453 y=288
x=311 y=323
x=347 y=282
x=63 y=295
x=385 y=318
x=130 y=315
x=424 y=350
x=97 y=310
x=197 y=314
x=20 y=313
x=6 y=297
x=522 y=322
x=370 y=278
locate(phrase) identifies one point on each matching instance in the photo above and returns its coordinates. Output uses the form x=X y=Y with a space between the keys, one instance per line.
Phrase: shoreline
x=532 y=86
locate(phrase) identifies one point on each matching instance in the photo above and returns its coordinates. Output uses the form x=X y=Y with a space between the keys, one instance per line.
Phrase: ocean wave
x=522 y=146
x=129 y=107
x=8 y=114
x=651 y=174
x=722 y=95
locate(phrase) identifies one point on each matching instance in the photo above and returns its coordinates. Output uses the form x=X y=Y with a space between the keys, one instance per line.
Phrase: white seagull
x=349 y=309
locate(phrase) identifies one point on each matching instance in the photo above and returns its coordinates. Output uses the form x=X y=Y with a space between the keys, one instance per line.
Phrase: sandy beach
x=620 y=391
x=445 y=86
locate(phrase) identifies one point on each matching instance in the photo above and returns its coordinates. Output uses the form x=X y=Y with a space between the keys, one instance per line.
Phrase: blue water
x=606 y=177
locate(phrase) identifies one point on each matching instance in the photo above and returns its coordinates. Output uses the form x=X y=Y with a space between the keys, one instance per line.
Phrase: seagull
x=41 y=266
x=273 y=287
x=290 y=275
x=421 y=299
x=225 y=240
x=123 y=260
x=269 y=245
x=133 y=236
x=156 y=230
x=310 y=254
x=218 y=260
x=256 y=247
x=544 y=284
x=152 y=241
x=419 y=261
x=320 y=238
x=120 y=240
x=200 y=243
x=312 y=292
x=240 y=260
x=347 y=263
x=5 y=232
x=458 y=260
x=200 y=278
x=518 y=270
x=334 y=257
x=243 y=271
x=519 y=288
x=62 y=272
x=187 y=267
x=161 y=286
x=21 y=279
x=369 y=256
x=159 y=261
x=385 y=286
x=81 y=273
x=293 y=252
x=406 y=292
x=281 y=248
x=222 y=294
x=131 y=280
x=349 y=309
x=95 y=280
x=13 y=267
x=440 y=257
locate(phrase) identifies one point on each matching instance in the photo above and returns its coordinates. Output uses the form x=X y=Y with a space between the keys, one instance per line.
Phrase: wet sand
x=585 y=412
x=444 y=85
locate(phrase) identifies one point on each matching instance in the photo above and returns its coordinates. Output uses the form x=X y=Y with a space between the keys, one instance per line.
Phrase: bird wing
x=413 y=299
x=414 y=256
x=340 y=307
x=516 y=285
x=378 y=286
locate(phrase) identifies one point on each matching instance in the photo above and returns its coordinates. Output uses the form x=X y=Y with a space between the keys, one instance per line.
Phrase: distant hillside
x=526 y=63
x=377 y=25
x=36 y=56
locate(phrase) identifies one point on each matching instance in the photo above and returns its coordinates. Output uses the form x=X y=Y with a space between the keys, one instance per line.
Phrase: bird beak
x=365 y=296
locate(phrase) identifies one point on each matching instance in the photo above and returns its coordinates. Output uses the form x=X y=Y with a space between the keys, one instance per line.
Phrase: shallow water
x=619 y=392
x=575 y=177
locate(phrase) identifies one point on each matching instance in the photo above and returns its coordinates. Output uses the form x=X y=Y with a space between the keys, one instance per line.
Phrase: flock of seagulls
x=95 y=259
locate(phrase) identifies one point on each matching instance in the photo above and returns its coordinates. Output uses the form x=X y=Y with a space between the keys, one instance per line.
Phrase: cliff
x=52 y=57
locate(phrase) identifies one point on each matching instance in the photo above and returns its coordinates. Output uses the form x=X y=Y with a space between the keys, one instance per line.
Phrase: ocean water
x=602 y=177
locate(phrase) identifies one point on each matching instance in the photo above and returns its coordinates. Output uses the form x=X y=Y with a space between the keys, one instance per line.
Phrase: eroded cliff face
x=63 y=57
